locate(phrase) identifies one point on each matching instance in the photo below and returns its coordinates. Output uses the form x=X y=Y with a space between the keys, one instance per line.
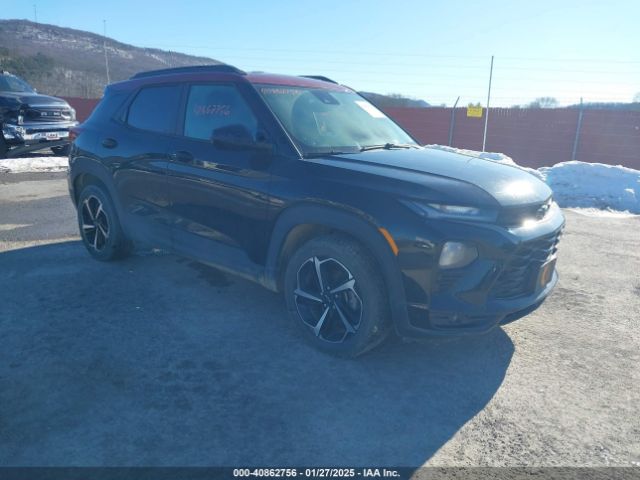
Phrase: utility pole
x=104 y=47
x=486 y=117
x=35 y=13
x=574 y=151
x=453 y=121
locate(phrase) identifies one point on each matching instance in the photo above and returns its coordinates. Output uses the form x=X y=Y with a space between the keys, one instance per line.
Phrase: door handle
x=109 y=143
x=181 y=156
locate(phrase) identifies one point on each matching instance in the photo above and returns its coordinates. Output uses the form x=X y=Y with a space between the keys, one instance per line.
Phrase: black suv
x=301 y=185
x=31 y=121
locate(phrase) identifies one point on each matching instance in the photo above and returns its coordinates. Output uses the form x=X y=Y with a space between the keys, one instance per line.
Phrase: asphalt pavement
x=156 y=360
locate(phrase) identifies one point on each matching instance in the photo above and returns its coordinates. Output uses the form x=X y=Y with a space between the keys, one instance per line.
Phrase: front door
x=218 y=194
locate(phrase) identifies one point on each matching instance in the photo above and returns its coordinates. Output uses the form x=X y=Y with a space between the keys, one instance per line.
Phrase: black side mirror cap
x=237 y=137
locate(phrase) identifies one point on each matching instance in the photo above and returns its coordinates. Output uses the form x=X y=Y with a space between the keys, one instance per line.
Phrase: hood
x=508 y=185
x=34 y=99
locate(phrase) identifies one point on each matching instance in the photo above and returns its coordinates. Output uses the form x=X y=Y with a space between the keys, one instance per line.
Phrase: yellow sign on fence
x=474 y=111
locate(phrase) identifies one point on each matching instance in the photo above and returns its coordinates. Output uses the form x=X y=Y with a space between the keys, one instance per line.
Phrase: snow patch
x=596 y=212
x=493 y=156
x=34 y=164
x=594 y=185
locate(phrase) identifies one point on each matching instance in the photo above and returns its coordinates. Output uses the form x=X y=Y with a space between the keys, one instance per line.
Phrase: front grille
x=516 y=216
x=518 y=276
x=426 y=319
x=47 y=114
x=450 y=320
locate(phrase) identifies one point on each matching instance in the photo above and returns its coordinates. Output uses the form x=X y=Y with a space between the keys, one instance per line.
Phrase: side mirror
x=237 y=137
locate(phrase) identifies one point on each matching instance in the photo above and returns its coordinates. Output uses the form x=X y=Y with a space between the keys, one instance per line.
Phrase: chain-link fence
x=532 y=136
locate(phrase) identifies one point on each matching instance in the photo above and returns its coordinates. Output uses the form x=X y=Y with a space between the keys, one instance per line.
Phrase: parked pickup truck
x=31 y=121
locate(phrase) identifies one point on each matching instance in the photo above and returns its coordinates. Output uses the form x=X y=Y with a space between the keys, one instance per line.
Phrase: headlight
x=73 y=114
x=462 y=212
x=456 y=209
x=457 y=254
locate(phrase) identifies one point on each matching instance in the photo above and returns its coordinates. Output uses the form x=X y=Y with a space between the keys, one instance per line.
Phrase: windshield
x=328 y=121
x=11 y=83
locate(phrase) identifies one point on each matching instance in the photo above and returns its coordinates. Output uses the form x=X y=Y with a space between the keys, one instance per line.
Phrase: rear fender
x=86 y=166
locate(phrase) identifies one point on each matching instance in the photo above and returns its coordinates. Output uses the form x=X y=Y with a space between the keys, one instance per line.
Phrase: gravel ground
x=155 y=360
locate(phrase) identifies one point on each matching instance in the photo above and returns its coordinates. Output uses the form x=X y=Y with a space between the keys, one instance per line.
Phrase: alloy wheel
x=95 y=223
x=326 y=299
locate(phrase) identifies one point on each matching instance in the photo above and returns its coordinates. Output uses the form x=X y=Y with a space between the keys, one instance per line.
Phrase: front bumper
x=36 y=132
x=503 y=284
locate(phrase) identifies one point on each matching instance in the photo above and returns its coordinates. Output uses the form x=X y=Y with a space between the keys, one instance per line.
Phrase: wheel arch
x=85 y=171
x=301 y=222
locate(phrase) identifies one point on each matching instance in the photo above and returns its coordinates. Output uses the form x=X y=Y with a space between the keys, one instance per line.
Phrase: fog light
x=457 y=254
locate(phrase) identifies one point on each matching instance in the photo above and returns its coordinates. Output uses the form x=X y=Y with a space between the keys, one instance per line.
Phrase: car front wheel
x=336 y=295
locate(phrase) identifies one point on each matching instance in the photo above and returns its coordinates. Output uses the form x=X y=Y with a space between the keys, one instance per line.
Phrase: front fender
x=355 y=224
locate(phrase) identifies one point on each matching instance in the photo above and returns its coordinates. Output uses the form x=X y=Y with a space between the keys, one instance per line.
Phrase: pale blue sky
x=435 y=50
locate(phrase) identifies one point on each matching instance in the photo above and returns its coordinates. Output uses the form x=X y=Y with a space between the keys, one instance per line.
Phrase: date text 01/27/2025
x=316 y=472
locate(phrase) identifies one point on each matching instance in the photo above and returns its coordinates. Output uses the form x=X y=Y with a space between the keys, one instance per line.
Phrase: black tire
x=99 y=226
x=62 y=150
x=363 y=304
x=4 y=148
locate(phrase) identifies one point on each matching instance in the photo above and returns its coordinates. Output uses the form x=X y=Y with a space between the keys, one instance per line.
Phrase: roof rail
x=221 y=68
x=320 y=77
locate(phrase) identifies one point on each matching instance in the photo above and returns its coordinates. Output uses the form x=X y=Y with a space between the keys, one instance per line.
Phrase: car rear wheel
x=99 y=226
x=61 y=150
x=335 y=294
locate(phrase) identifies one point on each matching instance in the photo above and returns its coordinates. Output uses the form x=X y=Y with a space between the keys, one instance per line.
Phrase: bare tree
x=544 y=102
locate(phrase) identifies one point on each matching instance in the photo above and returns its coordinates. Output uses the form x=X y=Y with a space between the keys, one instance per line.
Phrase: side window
x=210 y=107
x=155 y=109
x=107 y=108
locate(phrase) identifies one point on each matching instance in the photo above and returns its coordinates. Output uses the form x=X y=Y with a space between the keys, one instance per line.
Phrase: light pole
x=486 y=117
x=104 y=47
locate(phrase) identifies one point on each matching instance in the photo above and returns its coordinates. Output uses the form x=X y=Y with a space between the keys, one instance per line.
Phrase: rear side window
x=108 y=106
x=155 y=109
x=210 y=107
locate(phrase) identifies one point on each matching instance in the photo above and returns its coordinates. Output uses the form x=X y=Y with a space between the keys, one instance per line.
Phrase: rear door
x=219 y=196
x=140 y=148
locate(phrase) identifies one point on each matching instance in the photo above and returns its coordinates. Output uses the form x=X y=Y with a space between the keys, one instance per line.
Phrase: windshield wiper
x=384 y=146
x=324 y=154
x=387 y=146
